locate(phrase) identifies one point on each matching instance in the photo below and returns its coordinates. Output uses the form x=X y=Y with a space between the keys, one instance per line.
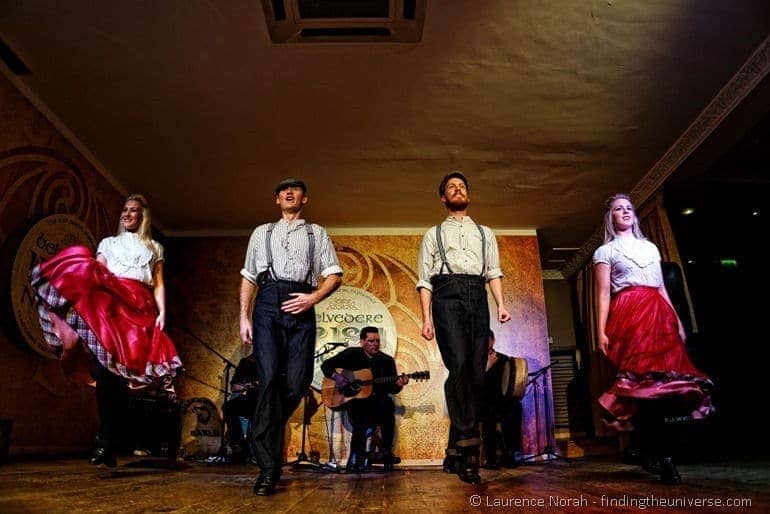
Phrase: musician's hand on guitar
x=340 y=381
x=402 y=380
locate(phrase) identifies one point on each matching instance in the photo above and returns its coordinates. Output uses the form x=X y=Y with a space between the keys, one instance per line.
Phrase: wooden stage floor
x=587 y=485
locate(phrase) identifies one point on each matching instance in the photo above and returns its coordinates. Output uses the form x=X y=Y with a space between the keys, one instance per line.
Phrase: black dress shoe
x=265 y=484
x=470 y=475
x=668 y=472
x=468 y=470
x=103 y=456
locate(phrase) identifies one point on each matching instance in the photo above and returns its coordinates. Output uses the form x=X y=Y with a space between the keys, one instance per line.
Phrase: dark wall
x=42 y=174
x=727 y=274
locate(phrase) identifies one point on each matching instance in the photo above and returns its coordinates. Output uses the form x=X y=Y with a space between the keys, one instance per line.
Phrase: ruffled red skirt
x=79 y=299
x=651 y=359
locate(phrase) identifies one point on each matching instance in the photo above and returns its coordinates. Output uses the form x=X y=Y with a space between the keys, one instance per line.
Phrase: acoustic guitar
x=359 y=385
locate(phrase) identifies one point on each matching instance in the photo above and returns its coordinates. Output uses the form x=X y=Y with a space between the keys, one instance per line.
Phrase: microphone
x=333 y=345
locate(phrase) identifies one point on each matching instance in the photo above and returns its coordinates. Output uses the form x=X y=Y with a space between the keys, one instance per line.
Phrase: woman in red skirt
x=105 y=315
x=643 y=337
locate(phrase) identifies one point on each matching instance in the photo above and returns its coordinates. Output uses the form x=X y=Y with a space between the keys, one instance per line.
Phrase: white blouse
x=633 y=262
x=128 y=257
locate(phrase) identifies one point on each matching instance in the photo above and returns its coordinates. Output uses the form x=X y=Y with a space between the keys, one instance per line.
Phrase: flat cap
x=451 y=175
x=290 y=182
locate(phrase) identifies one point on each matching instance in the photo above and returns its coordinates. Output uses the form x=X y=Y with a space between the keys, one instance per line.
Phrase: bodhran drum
x=514 y=378
x=201 y=427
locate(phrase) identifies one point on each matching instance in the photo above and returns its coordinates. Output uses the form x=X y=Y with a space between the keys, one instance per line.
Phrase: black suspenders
x=443 y=252
x=310 y=251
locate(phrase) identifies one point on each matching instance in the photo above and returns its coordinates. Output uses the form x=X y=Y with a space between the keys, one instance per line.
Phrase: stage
x=585 y=485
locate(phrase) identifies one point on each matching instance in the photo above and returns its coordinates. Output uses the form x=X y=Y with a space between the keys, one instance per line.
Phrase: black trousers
x=508 y=412
x=283 y=347
x=155 y=420
x=461 y=320
x=369 y=413
x=112 y=404
x=656 y=436
x=241 y=406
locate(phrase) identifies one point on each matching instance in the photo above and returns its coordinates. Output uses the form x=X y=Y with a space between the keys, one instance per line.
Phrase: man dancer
x=456 y=259
x=283 y=261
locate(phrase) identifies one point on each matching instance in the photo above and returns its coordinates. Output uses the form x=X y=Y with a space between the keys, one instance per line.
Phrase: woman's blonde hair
x=144 y=232
x=609 y=227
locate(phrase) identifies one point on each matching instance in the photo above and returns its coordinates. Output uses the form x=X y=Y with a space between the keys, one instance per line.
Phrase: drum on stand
x=514 y=378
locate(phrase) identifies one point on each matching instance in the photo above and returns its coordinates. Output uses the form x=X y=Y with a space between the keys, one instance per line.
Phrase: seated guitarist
x=376 y=409
x=241 y=404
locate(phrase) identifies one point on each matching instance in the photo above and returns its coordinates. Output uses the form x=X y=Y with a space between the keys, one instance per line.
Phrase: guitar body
x=360 y=387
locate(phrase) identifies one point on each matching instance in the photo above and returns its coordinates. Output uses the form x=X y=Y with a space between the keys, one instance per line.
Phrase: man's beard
x=457 y=203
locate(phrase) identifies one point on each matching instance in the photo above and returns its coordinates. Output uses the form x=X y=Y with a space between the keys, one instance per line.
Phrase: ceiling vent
x=324 y=21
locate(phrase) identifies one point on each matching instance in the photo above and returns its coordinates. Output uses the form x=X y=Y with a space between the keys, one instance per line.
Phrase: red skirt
x=79 y=298
x=651 y=359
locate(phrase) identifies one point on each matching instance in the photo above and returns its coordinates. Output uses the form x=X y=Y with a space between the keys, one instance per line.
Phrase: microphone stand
x=302 y=462
x=221 y=456
x=548 y=453
x=331 y=465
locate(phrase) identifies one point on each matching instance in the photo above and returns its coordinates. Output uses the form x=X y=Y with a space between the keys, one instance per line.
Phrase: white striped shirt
x=289 y=245
x=462 y=243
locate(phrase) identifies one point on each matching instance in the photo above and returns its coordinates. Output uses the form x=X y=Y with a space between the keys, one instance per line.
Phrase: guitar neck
x=388 y=380
x=383 y=380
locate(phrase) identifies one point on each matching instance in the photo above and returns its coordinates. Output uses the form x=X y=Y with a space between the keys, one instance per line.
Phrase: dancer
x=105 y=316
x=283 y=261
x=643 y=337
x=457 y=258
